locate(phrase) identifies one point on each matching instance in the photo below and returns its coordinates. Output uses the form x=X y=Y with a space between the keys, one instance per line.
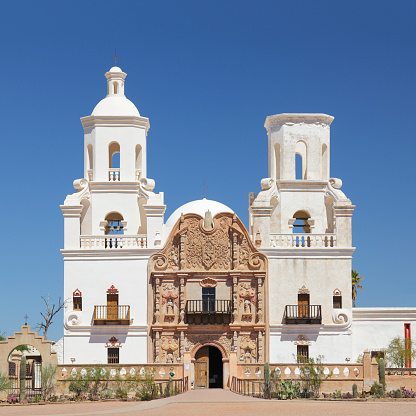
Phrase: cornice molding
x=116 y=254
x=308 y=252
x=274 y=122
x=383 y=314
x=91 y=122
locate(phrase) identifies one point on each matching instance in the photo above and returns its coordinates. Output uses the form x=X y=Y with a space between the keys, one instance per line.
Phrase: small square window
x=302 y=353
x=337 y=300
x=113 y=355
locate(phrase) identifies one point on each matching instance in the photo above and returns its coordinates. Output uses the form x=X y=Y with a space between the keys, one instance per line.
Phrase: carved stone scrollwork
x=160 y=262
x=302 y=340
x=169 y=346
x=341 y=316
x=224 y=339
x=227 y=246
x=303 y=290
x=157 y=301
x=208 y=282
x=247 y=349
x=260 y=299
x=255 y=261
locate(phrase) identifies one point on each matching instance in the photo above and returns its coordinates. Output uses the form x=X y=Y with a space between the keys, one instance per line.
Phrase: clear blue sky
x=207 y=74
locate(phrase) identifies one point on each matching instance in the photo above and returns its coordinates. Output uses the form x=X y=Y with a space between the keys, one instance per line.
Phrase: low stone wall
x=114 y=373
x=342 y=376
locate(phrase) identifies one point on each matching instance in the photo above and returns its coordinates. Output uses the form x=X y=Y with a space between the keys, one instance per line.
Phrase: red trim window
x=77 y=300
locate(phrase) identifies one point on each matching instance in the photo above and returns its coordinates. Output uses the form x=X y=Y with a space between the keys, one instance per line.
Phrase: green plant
x=146 y=389
x=397 y=354
x=354 y=391
x=288 y=389
x=356 y=280
x=382 y=375
x=121 y=393
x=266 y=382
x=48 y=380
x=22 y=395
x=5 y=383
x=312 y=375
x=79 y=386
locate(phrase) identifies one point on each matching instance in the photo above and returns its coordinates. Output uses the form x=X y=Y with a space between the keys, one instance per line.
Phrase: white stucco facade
x=114 y=223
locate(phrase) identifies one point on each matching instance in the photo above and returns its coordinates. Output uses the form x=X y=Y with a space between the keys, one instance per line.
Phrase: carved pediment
x=227 y=246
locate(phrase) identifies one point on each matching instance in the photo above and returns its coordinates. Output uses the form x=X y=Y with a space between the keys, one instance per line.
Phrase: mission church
x=145 y=290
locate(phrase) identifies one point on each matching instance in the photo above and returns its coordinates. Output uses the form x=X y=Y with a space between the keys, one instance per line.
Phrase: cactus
x=382 y=373
x=354 y=391
x=22 y=395
x=266 y=381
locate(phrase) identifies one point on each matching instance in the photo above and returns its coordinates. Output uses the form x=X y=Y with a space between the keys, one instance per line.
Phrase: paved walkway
x=216 y=402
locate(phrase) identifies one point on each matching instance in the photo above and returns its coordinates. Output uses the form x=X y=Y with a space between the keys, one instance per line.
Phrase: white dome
x=115 y=69
x=200 y=206
x=115 y=106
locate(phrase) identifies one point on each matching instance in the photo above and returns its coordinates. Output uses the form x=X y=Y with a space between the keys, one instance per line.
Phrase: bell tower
x=302 y=221
x=113 y=223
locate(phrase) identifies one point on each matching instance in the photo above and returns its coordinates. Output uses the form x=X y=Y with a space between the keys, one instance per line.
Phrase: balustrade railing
x=208 y=306
x=208 y=311
x=105 y=313
x=109 y=242
x=303 y=240
x=303 y=314
x=113 y=175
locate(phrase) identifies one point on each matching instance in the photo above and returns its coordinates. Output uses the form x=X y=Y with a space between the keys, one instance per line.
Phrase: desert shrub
x=121 y=393
x=48 y=380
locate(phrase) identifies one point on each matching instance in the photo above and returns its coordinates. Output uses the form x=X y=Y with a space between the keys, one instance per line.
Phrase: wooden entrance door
x=202 y=368
x=303 y=305
x=112 y=306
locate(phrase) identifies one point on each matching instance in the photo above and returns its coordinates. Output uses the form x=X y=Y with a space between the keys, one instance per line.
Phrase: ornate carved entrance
x=207 y=285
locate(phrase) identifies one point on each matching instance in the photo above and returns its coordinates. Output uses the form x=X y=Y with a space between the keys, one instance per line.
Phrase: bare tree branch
x=51 y=310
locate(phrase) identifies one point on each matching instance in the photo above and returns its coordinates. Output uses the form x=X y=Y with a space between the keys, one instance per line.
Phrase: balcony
x=303 y=314
x=303 y=240
x=112 y=315
x=208 y=312
x=112 y=242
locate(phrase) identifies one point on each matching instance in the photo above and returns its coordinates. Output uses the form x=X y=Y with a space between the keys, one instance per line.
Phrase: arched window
x=114 y=155
x=114 y=224
x=115 y=85
x=300 y=160
x=301 y=223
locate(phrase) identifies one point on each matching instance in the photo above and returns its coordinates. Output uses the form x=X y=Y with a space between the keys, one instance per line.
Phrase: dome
x=200 y=206
x=115 y=69
x=115 y=106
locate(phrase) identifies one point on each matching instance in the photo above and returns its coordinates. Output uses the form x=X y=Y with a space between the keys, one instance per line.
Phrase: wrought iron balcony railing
x=111 y=315
x=303 y=314
x=208 y=311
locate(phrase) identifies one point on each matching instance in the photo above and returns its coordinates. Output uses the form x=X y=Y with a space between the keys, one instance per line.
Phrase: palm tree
x=356 y=279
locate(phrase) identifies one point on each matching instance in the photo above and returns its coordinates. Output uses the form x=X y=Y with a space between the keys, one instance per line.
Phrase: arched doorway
x=30 y=357
x=208 y=368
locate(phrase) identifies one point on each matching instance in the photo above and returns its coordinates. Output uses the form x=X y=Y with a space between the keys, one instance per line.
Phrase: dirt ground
x=218 y=402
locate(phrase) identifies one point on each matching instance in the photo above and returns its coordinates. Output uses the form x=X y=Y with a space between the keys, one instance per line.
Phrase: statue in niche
x=247 y=306
x=169 y=298
x=169 y=307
